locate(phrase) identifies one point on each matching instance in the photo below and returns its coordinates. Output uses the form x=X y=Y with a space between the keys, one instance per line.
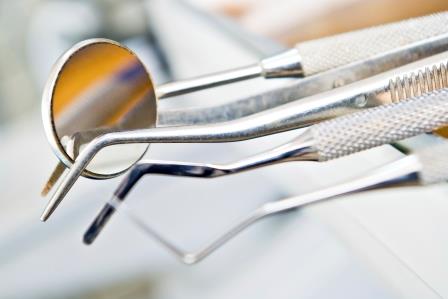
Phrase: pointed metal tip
x=99 y=222
x=58 y=196
x=45 y=215
x=49 y=209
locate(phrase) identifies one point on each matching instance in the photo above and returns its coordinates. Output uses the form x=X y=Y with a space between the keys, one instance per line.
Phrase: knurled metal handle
x=330 y=52
x=381 y=125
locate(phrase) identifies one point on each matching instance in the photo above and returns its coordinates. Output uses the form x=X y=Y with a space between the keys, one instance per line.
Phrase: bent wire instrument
x=322 y=142
x=424 y=167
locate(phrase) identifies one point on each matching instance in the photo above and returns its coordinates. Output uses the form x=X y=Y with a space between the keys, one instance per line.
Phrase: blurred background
x=34 y=33
x=178 y=39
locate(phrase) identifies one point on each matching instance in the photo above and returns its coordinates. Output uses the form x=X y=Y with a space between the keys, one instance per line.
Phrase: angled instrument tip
x=51 y=206
x=67 y=182
x=100 y=221
x=49 y=209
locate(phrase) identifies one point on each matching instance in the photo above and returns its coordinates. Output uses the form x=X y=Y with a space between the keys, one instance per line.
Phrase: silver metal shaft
x=195 y=84
x=300 y=149
x=363 y=62
x=314 y=57
x=401 y=172
x=366 y=129
x=425 y=167
x=285 y=64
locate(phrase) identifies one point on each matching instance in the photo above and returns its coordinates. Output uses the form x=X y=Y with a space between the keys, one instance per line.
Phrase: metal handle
x=381 y=125
x=321 y=55
x=327 y=53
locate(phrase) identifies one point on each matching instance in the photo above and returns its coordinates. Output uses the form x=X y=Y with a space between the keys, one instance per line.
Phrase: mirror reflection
x=102 y=87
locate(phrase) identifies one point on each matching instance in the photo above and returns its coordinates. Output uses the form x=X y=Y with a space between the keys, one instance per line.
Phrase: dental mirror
x=96 y=87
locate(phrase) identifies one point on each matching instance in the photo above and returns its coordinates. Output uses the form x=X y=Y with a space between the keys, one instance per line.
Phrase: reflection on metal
x=95 y=88
x=415 y=170
x=68 y=136
x=334 y=138
x=365 y=93
x=319 y=55
x=295 y=90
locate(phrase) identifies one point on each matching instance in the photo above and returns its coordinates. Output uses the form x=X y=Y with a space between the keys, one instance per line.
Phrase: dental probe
x=425 y=167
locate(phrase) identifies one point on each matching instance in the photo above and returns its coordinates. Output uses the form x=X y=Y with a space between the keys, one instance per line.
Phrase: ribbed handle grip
x=434 y=161
x=327 y=53
x=381 y=125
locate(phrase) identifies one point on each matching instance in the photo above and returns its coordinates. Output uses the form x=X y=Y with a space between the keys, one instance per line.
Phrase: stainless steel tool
x=287 y=92
x=427 y=166
x=325 y=141
x=413 y=79
x=112 y=82
x=314 y=57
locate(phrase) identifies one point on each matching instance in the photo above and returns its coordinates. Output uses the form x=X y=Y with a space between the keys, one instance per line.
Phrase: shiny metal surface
x=311 y=58
x=417 y=84
x=281 y=119
x=300 y=149
x=307 y=86
x=107 y=85
x=385 y=55
x=366 y=93
x=399 y=173
x=293 y=91
x=416 y=48
x=330 y=140
x=369 y=42
x=286 y=64
x=385 y=124
x=177 y=88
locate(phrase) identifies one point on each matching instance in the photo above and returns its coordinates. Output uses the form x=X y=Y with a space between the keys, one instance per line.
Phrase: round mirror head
x=98 y=87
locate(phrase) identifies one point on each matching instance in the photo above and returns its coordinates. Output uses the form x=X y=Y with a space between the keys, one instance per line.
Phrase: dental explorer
x=424 y=167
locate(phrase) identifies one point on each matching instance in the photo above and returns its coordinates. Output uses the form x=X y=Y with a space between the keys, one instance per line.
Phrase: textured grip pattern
x=434 y=161
x=330 y=52
x=381 y=125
